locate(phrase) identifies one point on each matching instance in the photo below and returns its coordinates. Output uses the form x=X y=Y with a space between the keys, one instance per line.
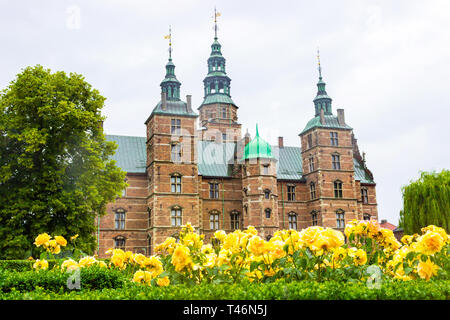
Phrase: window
x=334 y=138
x=266 y=169
x=120 y=219
x=340 y=221
x=338 y=189
x=149 y=239
x=119 y=243
x=175 y=154
x=149 y=211
x=224 y=137
x=311 y=163
x=366 y=217
x=336 y=161
x=175 y=217
x=291 y=193
x=364 y=196
x=175 y=183
x=214 y=190
x=309 y=140
x=175 y=126
x=234 y=220
x=266 y=194
x=214 y=220
x=314 y=218
x=267 y=211
x=224 y=113
x=292 y=218
x=312 y=190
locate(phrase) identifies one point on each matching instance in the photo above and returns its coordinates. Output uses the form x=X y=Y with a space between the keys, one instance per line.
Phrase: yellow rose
x=153 y=265
x=138 y=258
x=72 y=238
x=359 y=256
x=181 y=258
x=439 y=230
x=427 y=269
x=163 y=282
x=220 y=235
x=87 y=261
x=141 y=276
x=69 y=265
x=61 y=241
x=251 y=230
x=257 y=246
x=430 y=243
x=40 y=264
x=42 y=239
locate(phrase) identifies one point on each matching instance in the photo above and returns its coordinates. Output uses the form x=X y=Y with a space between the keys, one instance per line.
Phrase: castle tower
x=327 y=157
x=259 y=180
x=172 y=171
x=218 y=112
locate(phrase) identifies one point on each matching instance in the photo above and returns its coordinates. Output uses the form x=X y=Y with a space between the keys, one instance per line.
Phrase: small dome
x=257 y=148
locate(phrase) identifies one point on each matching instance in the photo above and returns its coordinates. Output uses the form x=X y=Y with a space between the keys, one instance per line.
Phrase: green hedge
x=22 y=265
x=330 y=290
x=92 y=278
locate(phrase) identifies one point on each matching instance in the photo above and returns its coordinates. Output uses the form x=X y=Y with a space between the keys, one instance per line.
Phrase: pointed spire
x=170 y=85
x=322 y=100
x=257 y=133
x=170 y=43
x=216 y=14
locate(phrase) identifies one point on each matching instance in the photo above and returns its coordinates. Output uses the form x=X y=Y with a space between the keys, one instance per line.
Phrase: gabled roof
x=360 y=173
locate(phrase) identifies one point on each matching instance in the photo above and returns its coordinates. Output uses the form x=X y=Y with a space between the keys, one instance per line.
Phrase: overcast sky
x=385 y=62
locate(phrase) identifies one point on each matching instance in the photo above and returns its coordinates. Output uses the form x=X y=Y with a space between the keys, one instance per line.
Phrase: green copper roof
x=216 y=159
x=217 y=98
x=174 y=107
x=130 y=154
x=361 y=174
x=330 y=122
x=257 y=148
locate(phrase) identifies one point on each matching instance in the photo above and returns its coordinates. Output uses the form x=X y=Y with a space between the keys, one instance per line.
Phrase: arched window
x=311 y=163
x=267 y=211
x=314 y=218
x=214 y=220
x=175 y=183
x=120 y=219
x=234 y=218
x=338 y=189
x=366 y=217
x=176 y=216
x=267 y=194
x=119 y=242
x=292 y=218
x=312 y=190
x=340 y=219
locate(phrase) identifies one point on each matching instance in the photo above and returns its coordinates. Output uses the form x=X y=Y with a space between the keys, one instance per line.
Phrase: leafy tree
x=426 y=201
x=56 y=174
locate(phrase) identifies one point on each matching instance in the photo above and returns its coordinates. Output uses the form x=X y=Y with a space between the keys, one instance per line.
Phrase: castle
x=197 y=168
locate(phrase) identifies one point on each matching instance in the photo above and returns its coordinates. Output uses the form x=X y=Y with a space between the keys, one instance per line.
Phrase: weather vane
x=216 y=14
x=169 y=36
x=318 y=60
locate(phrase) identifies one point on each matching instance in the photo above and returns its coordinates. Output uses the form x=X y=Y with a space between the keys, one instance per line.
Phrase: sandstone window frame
x=214 y=189
x=337 y=187
x=175 y=126
x=176 y=216
x=314 y=218
x=364 y=195
x=119 y=242
x=290 y=192
x=175 y=182
x=311 y=163
x=312 y=190
x=292 y=220
x=340 y=219
x=119 y=218
x=235 y=220
x=334 y=139
x=336 y=161
x=176 y=152
x=267 y=194
x=214 y=220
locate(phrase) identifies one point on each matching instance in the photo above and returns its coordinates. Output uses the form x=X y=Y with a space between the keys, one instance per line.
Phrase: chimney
x=322 y=116
x=189 y=102
x=163 y=101
x=280 y=142
x=341 y=118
